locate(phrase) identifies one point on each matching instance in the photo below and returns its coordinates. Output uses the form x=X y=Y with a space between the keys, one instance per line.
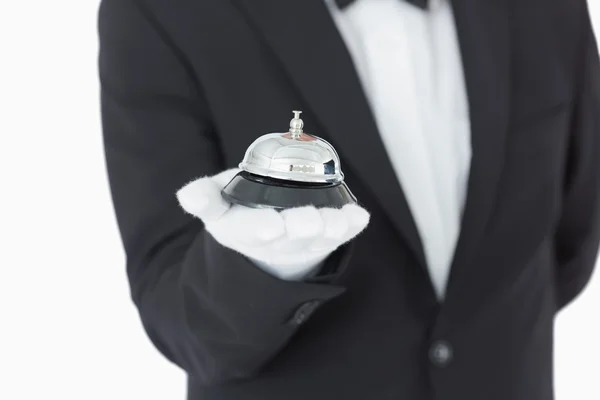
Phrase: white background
x=68 y=329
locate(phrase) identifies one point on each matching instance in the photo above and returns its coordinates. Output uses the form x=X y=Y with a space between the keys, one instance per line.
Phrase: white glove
x=289 y=244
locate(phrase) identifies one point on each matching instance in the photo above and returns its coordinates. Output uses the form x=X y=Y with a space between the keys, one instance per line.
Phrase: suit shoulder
x=559 y=26
x=164 y=8
x=565 y=16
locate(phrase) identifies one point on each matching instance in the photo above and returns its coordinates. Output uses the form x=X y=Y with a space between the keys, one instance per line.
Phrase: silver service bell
x=291 y=169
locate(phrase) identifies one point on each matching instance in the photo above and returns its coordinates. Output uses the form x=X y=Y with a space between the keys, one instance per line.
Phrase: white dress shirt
x=409 y=63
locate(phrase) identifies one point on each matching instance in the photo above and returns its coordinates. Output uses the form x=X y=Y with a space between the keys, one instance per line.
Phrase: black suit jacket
x=187 y=85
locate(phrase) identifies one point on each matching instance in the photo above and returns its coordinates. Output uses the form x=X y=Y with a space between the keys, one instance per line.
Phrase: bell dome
x=294 y=155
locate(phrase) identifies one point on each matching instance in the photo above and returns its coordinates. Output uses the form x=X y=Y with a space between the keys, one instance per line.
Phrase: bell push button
x=441 y=353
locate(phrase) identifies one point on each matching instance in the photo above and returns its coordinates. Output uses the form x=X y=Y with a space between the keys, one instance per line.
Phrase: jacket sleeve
x=578 y=232
x=206 y=308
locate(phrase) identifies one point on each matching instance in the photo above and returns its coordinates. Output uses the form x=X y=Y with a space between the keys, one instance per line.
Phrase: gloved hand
x=289 y=244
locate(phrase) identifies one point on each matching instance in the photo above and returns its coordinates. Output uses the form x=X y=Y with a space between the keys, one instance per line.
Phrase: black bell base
x=261 y=192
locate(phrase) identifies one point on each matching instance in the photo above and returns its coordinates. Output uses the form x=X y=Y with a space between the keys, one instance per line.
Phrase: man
x=467 y=130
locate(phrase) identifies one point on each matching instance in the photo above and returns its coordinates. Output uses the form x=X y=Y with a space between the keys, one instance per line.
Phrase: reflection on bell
x=291 y=169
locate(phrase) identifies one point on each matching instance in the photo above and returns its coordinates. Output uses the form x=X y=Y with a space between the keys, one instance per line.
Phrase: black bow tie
x=419 y=3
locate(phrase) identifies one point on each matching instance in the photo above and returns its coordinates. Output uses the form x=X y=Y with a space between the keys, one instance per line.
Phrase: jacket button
x=304 y=311
x=441 y=353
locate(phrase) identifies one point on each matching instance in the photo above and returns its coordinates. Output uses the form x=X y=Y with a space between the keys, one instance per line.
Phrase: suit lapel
x=305 y=39
x=483 y=30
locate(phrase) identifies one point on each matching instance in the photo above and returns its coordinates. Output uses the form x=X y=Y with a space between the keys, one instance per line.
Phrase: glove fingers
x=202 y=198
x=335 y=230
x=303 y=223
x=336 y=223
x=358 y=219
x=251 y=226
x=223 y=178
x=303 y=226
